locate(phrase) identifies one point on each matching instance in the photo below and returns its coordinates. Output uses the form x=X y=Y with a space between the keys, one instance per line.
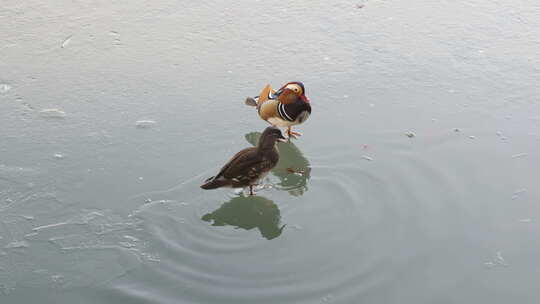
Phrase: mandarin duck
x=287 y=107
x=249 y=165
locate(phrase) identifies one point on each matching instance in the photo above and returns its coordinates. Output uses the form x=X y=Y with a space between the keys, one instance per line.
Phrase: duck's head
x=269 y=137
x=292 y=92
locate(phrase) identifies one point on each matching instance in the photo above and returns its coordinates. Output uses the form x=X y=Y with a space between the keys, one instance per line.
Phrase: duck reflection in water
x=248 y=213
x=293 y=169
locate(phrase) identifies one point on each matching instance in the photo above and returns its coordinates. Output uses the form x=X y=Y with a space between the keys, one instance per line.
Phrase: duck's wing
x=240 y=163
x=265 y=95
x=269 y=109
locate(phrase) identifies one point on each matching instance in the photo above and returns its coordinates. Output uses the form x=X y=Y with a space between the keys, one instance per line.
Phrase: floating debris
x=151 y=257
x=127 y=244
x=52 y=113
x=457 y=130
x=49 y=226
x=141 y=178
x=66 y=41
x=58 y=279
x=518 y=193
x=5 y=290
x=143 y=124
x=410 y=134
x=519 y=155
x=525 y=220
x=367 y=157
x=17 y=244
x=131 y=238
x=28 y=106
x=327 y=298
x=498 y=261
x=58 y=156
x=4 y=88
x=359 y=6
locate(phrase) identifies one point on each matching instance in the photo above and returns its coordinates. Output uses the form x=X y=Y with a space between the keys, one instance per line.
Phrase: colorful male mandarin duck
x=287 y=107
x=249 y=165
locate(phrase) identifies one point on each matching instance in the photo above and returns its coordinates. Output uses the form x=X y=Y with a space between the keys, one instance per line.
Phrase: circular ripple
x=328 y=251
x=363 y=227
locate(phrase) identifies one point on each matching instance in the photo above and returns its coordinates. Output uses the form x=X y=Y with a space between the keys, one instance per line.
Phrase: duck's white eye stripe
x=296 y=88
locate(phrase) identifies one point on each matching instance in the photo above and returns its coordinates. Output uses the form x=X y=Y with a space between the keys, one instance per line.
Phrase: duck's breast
x=269 y=109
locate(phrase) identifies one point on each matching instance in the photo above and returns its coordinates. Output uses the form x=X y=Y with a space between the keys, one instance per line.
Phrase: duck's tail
x=214 y=183
x=251 y=102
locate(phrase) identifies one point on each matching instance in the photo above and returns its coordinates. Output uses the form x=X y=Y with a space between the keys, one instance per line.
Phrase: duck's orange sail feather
x=263 y=96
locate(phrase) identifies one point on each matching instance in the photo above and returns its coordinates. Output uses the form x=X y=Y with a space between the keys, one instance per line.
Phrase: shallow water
x=415 y=180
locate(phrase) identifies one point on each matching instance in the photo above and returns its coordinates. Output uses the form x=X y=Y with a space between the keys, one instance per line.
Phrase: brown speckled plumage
x=249 y=165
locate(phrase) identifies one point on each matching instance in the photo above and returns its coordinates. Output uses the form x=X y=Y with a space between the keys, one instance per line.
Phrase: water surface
x=415 y=180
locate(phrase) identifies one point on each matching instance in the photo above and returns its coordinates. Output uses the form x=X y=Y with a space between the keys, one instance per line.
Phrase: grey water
x=416 y=179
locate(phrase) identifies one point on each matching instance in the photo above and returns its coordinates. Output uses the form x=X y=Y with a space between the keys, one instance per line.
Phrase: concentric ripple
x=360 y=229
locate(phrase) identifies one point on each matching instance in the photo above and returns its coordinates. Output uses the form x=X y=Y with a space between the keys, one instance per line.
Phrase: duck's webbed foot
x=292 y=134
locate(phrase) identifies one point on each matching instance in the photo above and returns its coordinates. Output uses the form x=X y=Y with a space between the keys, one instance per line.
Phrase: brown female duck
x=249 y=165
